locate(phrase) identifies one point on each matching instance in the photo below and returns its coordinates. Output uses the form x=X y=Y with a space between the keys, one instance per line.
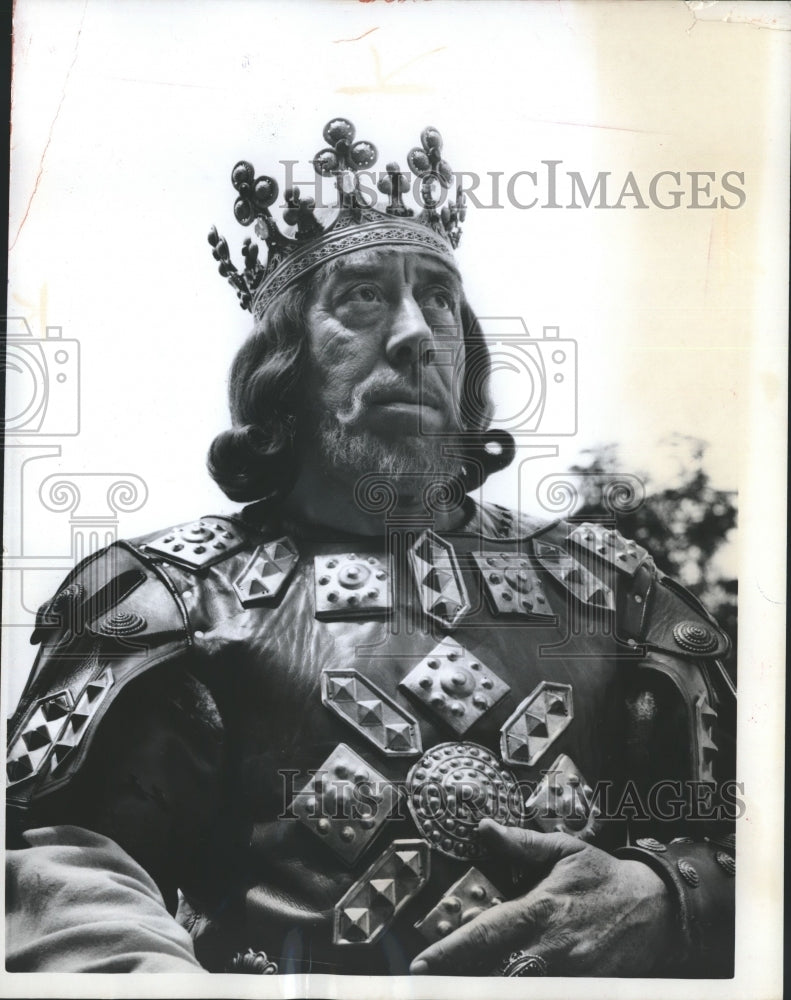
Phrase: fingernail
x=419 y=967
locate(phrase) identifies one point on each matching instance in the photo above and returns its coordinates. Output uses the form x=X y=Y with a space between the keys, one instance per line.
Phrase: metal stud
x=371 y=713
x=197 y=545
x=451 y=788
x=122 y=623
x=538 y=721
x=574 y=577
x=726 y=861
x=512 y=586
x=266 y=575
x=688 y=872
x=705 y=719
x=563 y=802
x=695 y=637
x=53 y=729
x=440 y=584
x=651 y=844
x=253 y=962
x=610 y=546
x=463 y=901
x=371 y=905
x=351 y=586
x=454 y=685
x=345 y=803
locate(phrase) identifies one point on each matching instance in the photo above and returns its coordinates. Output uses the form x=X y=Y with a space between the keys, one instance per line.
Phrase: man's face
x=377 y=394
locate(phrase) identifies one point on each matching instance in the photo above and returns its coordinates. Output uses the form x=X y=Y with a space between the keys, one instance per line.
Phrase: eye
x=438 y=298
x=363 y=293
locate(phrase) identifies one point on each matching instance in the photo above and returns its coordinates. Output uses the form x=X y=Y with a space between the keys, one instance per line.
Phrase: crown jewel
x=355 y=221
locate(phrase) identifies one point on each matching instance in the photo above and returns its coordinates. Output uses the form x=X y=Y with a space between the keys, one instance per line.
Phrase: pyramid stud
x=371 y=713
x=374 y=901
x=537 y=723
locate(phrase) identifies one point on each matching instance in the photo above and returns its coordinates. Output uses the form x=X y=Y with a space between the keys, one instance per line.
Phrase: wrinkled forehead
x=395 y=260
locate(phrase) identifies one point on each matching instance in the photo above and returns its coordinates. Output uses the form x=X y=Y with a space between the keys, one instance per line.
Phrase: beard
x=414 y=466
x=413 y=469
x=344 y=448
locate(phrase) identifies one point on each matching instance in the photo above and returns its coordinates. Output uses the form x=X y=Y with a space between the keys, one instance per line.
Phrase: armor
x=300 y=730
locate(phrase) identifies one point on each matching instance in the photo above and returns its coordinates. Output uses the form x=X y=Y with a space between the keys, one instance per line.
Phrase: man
x=367 y=725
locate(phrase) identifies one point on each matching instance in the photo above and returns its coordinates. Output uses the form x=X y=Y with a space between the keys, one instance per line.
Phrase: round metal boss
x=454 y=786
x=726 y=862
x=694 y=637
x=197 y=533
x=123 y=623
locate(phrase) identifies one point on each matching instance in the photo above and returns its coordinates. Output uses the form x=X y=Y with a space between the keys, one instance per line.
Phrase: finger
x=527 y=846
x=483 y=942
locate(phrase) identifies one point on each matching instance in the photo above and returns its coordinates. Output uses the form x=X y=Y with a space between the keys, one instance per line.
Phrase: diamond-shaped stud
x=371 y=905
x=574 y=577
x=53 y=728
x=609 y=545
x=536 y=724
x=440 y=585
x=266 y=575
x=370 y=712
x=705 y=721
x=563 y=802
x=454 y=685
x=345 y=803
x=351 y=586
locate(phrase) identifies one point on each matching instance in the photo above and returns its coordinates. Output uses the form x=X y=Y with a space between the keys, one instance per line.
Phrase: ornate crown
x=355 y=221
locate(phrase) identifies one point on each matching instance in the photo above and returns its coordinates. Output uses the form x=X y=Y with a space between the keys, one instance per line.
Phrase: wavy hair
x=258 y=458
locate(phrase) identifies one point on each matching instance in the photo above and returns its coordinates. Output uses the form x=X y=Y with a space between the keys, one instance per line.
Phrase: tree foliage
x=684 y=525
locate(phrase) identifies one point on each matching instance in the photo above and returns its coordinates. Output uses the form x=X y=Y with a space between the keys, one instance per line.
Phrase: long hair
x=258 y=458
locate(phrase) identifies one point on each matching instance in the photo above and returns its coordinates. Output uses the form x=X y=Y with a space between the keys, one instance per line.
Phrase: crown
x=355 y=222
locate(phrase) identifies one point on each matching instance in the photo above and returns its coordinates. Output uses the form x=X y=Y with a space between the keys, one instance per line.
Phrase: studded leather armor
x=300 y=730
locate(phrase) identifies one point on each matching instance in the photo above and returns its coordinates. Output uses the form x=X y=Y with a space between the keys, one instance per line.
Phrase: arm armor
x=116 y=616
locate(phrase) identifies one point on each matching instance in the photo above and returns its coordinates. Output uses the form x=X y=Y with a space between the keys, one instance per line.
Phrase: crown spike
x=299 y=213
x=343 y=159
x=358 y=223
x=395 y=185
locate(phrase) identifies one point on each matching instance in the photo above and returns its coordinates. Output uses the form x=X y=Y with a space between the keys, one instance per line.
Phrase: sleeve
x=77 y=903
x=680 y=709
x=114 y=775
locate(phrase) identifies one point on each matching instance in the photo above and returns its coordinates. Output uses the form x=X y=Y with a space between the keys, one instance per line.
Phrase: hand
x=592 y=915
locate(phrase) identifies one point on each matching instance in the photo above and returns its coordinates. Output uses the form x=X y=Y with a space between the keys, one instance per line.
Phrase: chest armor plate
x=378 y=703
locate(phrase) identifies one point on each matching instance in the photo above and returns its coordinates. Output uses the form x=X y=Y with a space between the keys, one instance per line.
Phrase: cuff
x=700 y=877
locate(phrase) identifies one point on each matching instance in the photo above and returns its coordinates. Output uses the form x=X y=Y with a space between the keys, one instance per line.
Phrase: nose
x=409 y=334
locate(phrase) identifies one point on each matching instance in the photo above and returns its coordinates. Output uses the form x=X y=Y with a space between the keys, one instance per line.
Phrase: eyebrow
x=344 y=270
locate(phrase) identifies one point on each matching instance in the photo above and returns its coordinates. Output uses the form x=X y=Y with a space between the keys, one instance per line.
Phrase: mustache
x=385 y=389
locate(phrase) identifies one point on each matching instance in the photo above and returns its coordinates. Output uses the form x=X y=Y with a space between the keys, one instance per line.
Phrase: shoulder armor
x=653 y=609
x=676 y=622
x=197 y=545
x=255 y=560
x=115 y=616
